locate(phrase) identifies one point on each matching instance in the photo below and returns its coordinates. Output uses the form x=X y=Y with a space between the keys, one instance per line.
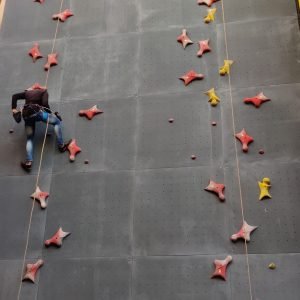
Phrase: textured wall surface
x=142 y=225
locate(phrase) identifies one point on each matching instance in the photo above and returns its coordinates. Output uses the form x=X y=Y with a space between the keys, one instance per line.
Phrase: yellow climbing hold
x=264 y=186
x=225 y=69
x=210 y=15
x=213 y=98
x=272 y=266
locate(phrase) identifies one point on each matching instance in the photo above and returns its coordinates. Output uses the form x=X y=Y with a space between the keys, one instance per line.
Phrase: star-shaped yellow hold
x=225 y=69
x=210 y=15
x=213 y=98
x=264 y=186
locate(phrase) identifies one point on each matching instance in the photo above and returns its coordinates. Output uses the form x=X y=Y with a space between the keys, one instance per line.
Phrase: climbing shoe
x=26 y=165
x=63 y=148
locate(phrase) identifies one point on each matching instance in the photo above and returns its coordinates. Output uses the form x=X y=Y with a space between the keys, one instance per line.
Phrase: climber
x=36 y=109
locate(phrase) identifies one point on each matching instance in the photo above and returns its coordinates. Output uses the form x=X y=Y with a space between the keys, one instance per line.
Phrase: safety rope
x=236 y=152
x=40 y=164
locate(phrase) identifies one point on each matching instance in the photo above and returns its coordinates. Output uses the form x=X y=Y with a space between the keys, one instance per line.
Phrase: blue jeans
x=30 y=130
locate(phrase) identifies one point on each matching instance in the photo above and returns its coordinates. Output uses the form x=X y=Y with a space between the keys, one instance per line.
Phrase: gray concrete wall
x=142 y=226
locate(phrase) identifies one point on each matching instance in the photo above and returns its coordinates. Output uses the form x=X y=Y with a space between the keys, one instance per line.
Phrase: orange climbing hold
x=184 y=39
x=73 y=150
x=90 y=113
x=52 y=61
x=35 y=53
x=191 y=76
x=221 y=267
x=63 y=16
x=40 y=197
x=31 y=270
x=245 y=139
x=57 y=238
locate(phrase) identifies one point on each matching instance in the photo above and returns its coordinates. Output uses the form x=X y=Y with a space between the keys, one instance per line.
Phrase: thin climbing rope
x=40 y=164
x=236 y=152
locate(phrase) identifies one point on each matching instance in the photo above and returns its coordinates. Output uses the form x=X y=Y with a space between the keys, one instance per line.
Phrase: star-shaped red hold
x=184 y=39
x=221 y=267
x=52 y=61
x=40 y=196
x=217 y=188
x=57 y=238
x=73 y=150
x=35 y=53
x=245 y=139
x=90 y=113
x=244 y=232
x=31 y=270
x=191 y=76
x=63 y=16
x=36 y=86
x=203 y=47
x=207 y=2
x=257 y=100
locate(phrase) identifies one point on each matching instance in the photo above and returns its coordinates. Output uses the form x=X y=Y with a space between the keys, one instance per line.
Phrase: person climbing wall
x=36 y=109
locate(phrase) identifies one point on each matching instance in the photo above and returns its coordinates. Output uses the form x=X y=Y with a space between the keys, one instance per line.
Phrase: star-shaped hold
x=210 y=15
x=245 y=139
x=264 y=187
x=244 y=232
x=51 y=61
x=221 y=267
x=207 y=2
x=217 y=188
x=63 y=16
x=35 y=53
x=184 y=39
x=39 y=1
x=191 y=76
x=73 y=150
x=90 y=113
x=36 y=86
x=31 y=270
x=257 y=100
x=40 y=196
x=213 y=98
x=57 y=238
x=225 y=69
x=203 y=47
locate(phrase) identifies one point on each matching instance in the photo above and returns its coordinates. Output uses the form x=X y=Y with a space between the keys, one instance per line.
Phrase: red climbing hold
x=90 y=113
x=63 y=16
x=190 y=76
x=261 y=151
x=36 y=86
x=73 y=150
x=57 y=238
x=257 y=100
x=245 y=139
x=39 y=1
x=35 y=53
x=52 y=61
x=244 y=232
x=216 y=188
x=40 y=196
x=184 y=39
x=207 y=2
x=221 y=267
x=31 y=270
x=203 y=47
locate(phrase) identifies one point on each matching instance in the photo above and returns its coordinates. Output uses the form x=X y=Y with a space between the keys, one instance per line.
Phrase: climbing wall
x=145 y=222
